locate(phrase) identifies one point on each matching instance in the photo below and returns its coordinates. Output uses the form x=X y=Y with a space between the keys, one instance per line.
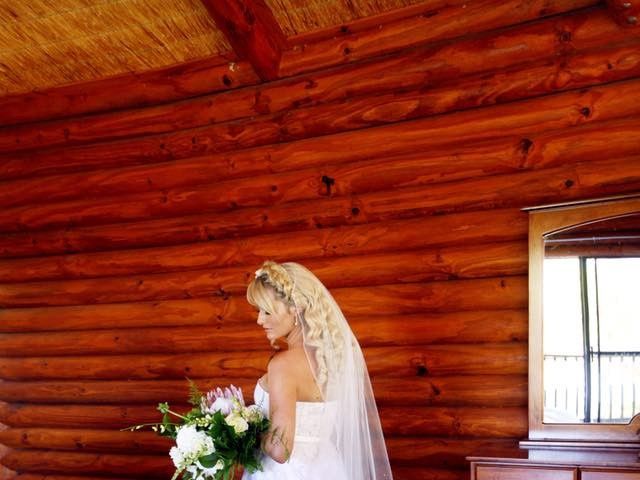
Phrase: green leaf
x=208 y=461
x=195 y=395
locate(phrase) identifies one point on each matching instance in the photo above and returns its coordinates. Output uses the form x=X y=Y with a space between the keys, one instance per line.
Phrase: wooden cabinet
x=589 y=474
x=520 y=472
x=579 y=464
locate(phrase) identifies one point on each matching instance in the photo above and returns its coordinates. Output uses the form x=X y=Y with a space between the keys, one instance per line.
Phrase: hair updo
x=296 y=286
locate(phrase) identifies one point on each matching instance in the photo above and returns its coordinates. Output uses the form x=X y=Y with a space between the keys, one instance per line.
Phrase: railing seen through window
x=591 y=354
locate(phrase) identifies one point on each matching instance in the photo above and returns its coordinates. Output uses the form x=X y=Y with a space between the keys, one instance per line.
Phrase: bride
x=316 y=392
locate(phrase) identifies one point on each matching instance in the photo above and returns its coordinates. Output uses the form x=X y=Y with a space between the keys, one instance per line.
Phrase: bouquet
x=219 y=434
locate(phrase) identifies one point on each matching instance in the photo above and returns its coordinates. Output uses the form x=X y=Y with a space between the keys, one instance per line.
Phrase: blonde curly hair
x=296 y=285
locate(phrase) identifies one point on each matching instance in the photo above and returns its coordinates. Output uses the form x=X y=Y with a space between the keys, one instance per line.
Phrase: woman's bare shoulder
x=284 y=359
x=286 y=362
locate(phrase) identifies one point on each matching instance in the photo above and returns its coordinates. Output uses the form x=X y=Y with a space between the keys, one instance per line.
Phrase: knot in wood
x=329 y=182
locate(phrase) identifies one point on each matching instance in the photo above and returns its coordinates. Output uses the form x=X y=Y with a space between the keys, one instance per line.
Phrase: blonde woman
x=316 y=392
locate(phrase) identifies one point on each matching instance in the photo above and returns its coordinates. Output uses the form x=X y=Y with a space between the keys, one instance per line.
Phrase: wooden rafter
x=252 y=31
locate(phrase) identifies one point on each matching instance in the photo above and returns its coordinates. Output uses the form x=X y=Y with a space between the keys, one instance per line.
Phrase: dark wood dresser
x=559 y=464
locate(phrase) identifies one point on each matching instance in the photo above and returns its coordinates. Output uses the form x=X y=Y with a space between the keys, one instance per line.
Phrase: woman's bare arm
x=278 y=442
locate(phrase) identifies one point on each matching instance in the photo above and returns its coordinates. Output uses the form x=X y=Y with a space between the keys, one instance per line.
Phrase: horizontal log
x=253 y=221
x=358 y=178
x=112 y=392
x=127 y=90
x=455 y=359
x=474 y=227
x=423 y=473
x=177 y=285
x=399 y=473
x=469 y=390
x=465 y=422
x=572 y=182
x=31 y=476
x=61 y=463
x=494 y=359
x=403 y=451
x=445 y=453
x=552 y=112
x=93 y=429
x=107 y=417
x=482 y=90
x=499 y=225
x=267 y=191
x=411 y=266
x=288 y=185
x=404 y=71
x=207 y=311
x=61 y=437
x=591 y=141
x=450 y=21
x=460 y=327
x=583 y=180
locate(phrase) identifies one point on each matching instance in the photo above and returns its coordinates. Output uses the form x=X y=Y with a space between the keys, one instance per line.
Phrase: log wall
x=128 y=235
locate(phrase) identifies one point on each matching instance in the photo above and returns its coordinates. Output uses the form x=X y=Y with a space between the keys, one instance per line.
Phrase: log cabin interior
x=153 y=153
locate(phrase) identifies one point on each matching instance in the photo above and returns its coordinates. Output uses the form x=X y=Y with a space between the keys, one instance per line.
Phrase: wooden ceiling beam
x=252 y=31
x=451 y=20
x=128 y=90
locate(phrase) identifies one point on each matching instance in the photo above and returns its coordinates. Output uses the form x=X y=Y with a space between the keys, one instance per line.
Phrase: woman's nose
x=259 y=320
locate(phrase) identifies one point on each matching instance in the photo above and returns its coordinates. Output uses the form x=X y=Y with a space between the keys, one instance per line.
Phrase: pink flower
x=223 y=401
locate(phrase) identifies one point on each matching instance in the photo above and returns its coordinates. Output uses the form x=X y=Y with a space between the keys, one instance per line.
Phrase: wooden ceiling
x=303 y=16
x=47 y=43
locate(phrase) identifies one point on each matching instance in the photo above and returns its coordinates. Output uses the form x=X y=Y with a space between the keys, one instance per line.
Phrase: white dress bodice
x=311 y=457
x=310 y=416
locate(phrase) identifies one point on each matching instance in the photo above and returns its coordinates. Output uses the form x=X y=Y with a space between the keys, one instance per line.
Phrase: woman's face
x=279 y=323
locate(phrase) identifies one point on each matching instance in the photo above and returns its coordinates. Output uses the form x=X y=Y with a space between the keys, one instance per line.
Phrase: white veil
x=340 y=372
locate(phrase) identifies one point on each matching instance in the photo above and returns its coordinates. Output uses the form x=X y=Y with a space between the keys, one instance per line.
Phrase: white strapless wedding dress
x=311 y=458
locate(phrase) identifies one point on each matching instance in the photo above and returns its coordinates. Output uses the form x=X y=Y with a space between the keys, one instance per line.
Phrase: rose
x=236 y=421
x=252 y=413
x=192 y=442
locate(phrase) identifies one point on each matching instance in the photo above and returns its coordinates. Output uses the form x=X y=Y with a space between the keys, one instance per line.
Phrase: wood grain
x=468 y=390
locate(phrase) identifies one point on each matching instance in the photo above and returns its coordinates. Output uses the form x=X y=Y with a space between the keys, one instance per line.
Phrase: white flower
x=252 y=413
x=176 y=456
x=236 y=421
x=193 y=470
x=211 y=471
x=192 y=442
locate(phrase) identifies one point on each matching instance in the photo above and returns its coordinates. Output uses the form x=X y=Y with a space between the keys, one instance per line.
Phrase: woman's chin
x=278 y=343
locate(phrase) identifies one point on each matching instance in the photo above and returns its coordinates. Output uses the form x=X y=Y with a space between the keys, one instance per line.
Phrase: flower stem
x=135 y=427
x=177 y=415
